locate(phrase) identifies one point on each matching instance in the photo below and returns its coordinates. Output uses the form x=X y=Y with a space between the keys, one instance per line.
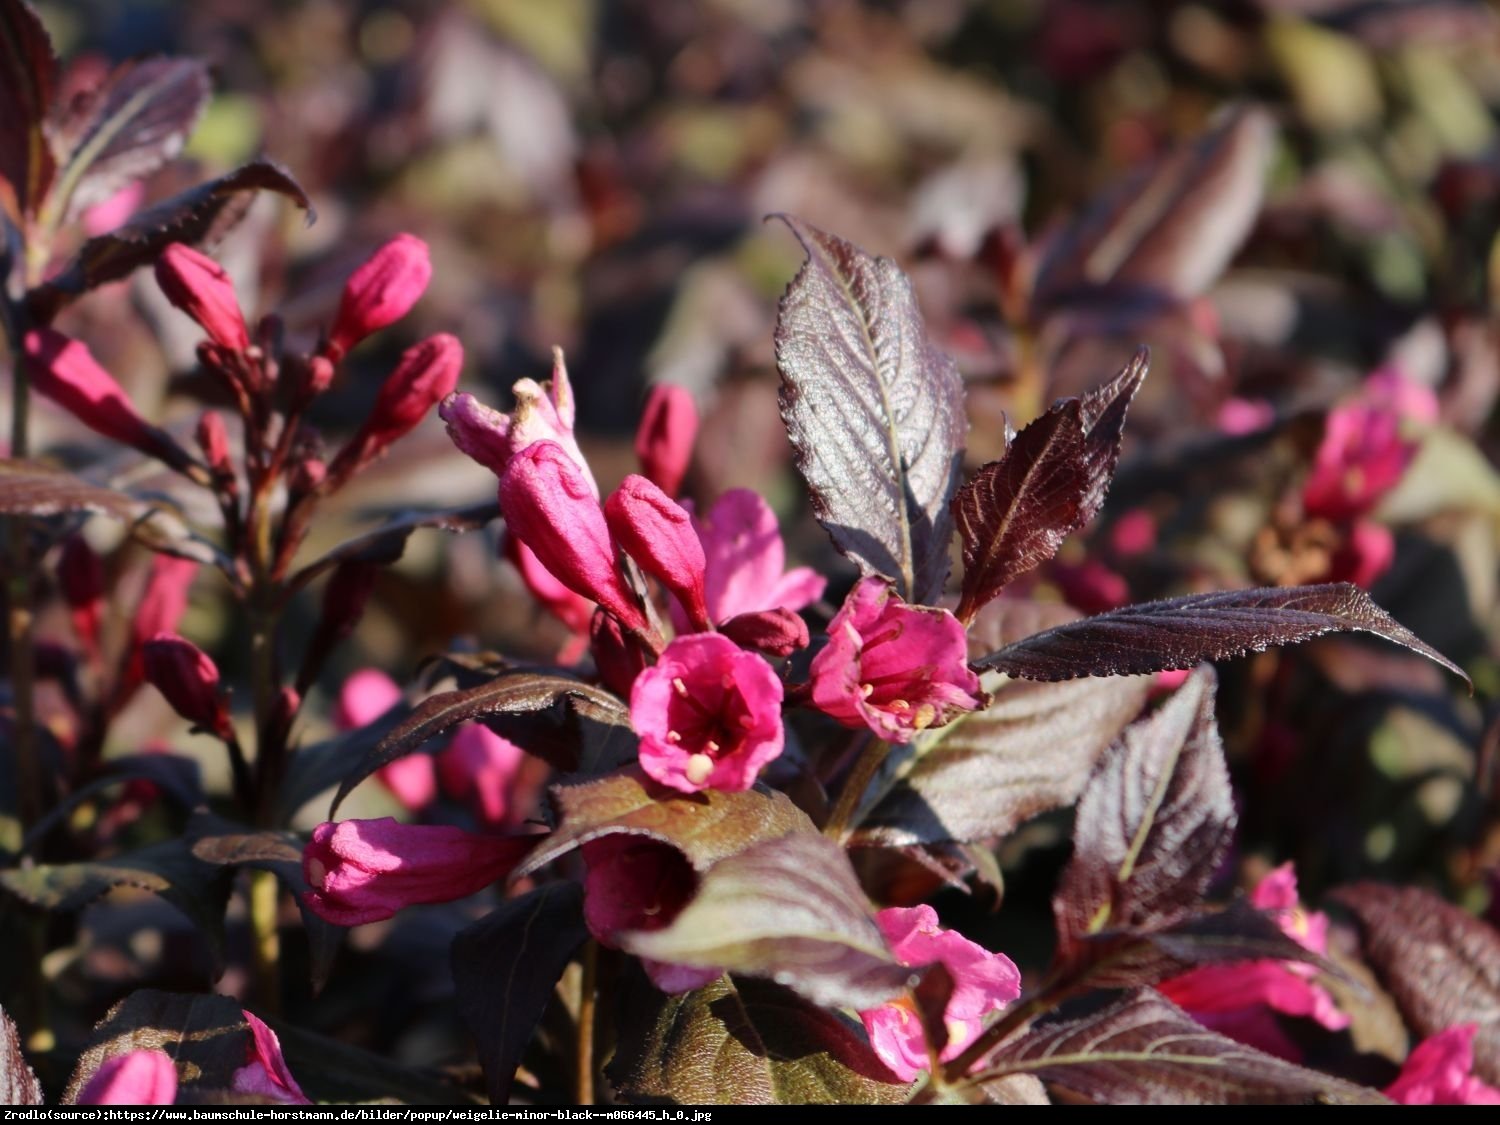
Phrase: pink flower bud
x=306 y=476
x=366 y=870
x=147 y=1077
x=548 y=506
x=617 y=658
x=200 y=287
x=573 y=610
x=160 y=609
x=656 y=532
x=895 y=668
x=266 y=1075
x=81 y=576
x=425 y=375
x=709 y=715
x=381 y=291
x=213 y=440
x=185 y=674
x=664 y=441
x=774 y=632
x=65 y=371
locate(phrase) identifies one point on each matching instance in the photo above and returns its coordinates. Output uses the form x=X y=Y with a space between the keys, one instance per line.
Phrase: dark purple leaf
x=31 y=488
x=18 y=1084
x=332 y=1071
x=202 y=214
x=790 y=909
x=1144 y=1050
x=1169 y=229
x=1153 y=825
x=979 y=777
x=518 y=705
x=1017 y=511
x=744 y=1042
x=1183 y=632
x=505 y=967
x=874 y=411
x=1440 y=963
x=386 y=544
x=137 y=120
x=207 y=1037
x=28 y=72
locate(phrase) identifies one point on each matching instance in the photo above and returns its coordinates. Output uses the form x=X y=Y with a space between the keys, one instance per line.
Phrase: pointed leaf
x=1170 y=229
x=18 y=1083
x=32 y=488
x=1016 y=512
x=515 y=706
x=1440 y=963
x=984 y=774
x=386 y=544
x=790 y=909
x=331 y=1071
x=28 y=74
x=1179 y=633
x=137 y=120
x=874 y=412
x=744 y=1042
x=1153 y=825
x=202 y=214
x=1144 y=1050
x=505 y=967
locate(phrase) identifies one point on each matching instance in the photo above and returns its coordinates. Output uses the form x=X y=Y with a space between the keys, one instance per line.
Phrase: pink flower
x=549 y=507
x=895 y=668
x=745 y=560
x=1439 y=1071
x=213 y=439
x=708 y=713
x=1245 y=415
x=365 y=696
x=664 y=441
x=657 y=533
x=146 y=1077
x=381 y=291
x=1363 y=454
x=65 y=371
x=266 y=1074
x=188 y=677
x=425 y=375
x=481 y=768
x=160 y=609
x=1091 y=586
x=1242 y=1000
x=1366 y=553
x=110 y=213
x=366 y=870
x=544 y=412
x=198 y=286
x=983 y=982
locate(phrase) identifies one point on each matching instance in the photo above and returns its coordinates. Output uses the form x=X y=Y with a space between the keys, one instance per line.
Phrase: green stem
x=865 y=767
x=265 y=940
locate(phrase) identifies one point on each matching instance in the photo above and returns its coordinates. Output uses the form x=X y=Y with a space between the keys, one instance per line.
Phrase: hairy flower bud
x=664 y=441
x=200 y=287
x=188 y=677
x=657 y=533
x=774 y=632
x=65 y=371
x=424 y=376
x=381 y=291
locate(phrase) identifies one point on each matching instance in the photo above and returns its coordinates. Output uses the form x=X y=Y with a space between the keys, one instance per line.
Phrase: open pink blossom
x=895 y=668
x=266 y=1075
x=366 y=870
x=365 y=696
x=1364 y=454
x=1243 y=1000
x=1440 y=1071
x=745 y=561
x=983 y=982
x=708 y=713
x=147 y=1077
x=1366 y=553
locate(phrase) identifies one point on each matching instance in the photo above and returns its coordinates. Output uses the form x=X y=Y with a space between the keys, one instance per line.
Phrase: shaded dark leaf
x=28 y=72
x=744 y=1042
x=505 y=967
x=168 y=869
x=202 y=214
x=1016 y=512
x=1440 y=963
x=1030 y=751
x=705 y=827
x=790 y=909
x=874 y=411
x=1178 y=633
x=386 y=544
x=519 y=706
x=206 y=1035
x=18 y=1084
x=331 y=1071
x=32 y=488
x=1144 y=1050
x=177 y=777
x=1153 y=825
x=136 y=121
x=1171 y=228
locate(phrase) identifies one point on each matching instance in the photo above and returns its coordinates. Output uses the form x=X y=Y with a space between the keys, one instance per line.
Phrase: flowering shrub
x=691 y=799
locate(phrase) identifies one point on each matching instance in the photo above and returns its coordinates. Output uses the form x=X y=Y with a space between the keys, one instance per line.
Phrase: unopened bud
x=198 y=286
x=381 y=291
x=186 y=675
x=774 y=632
x=664 y=442
x=657 y=533
x=425 y=375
